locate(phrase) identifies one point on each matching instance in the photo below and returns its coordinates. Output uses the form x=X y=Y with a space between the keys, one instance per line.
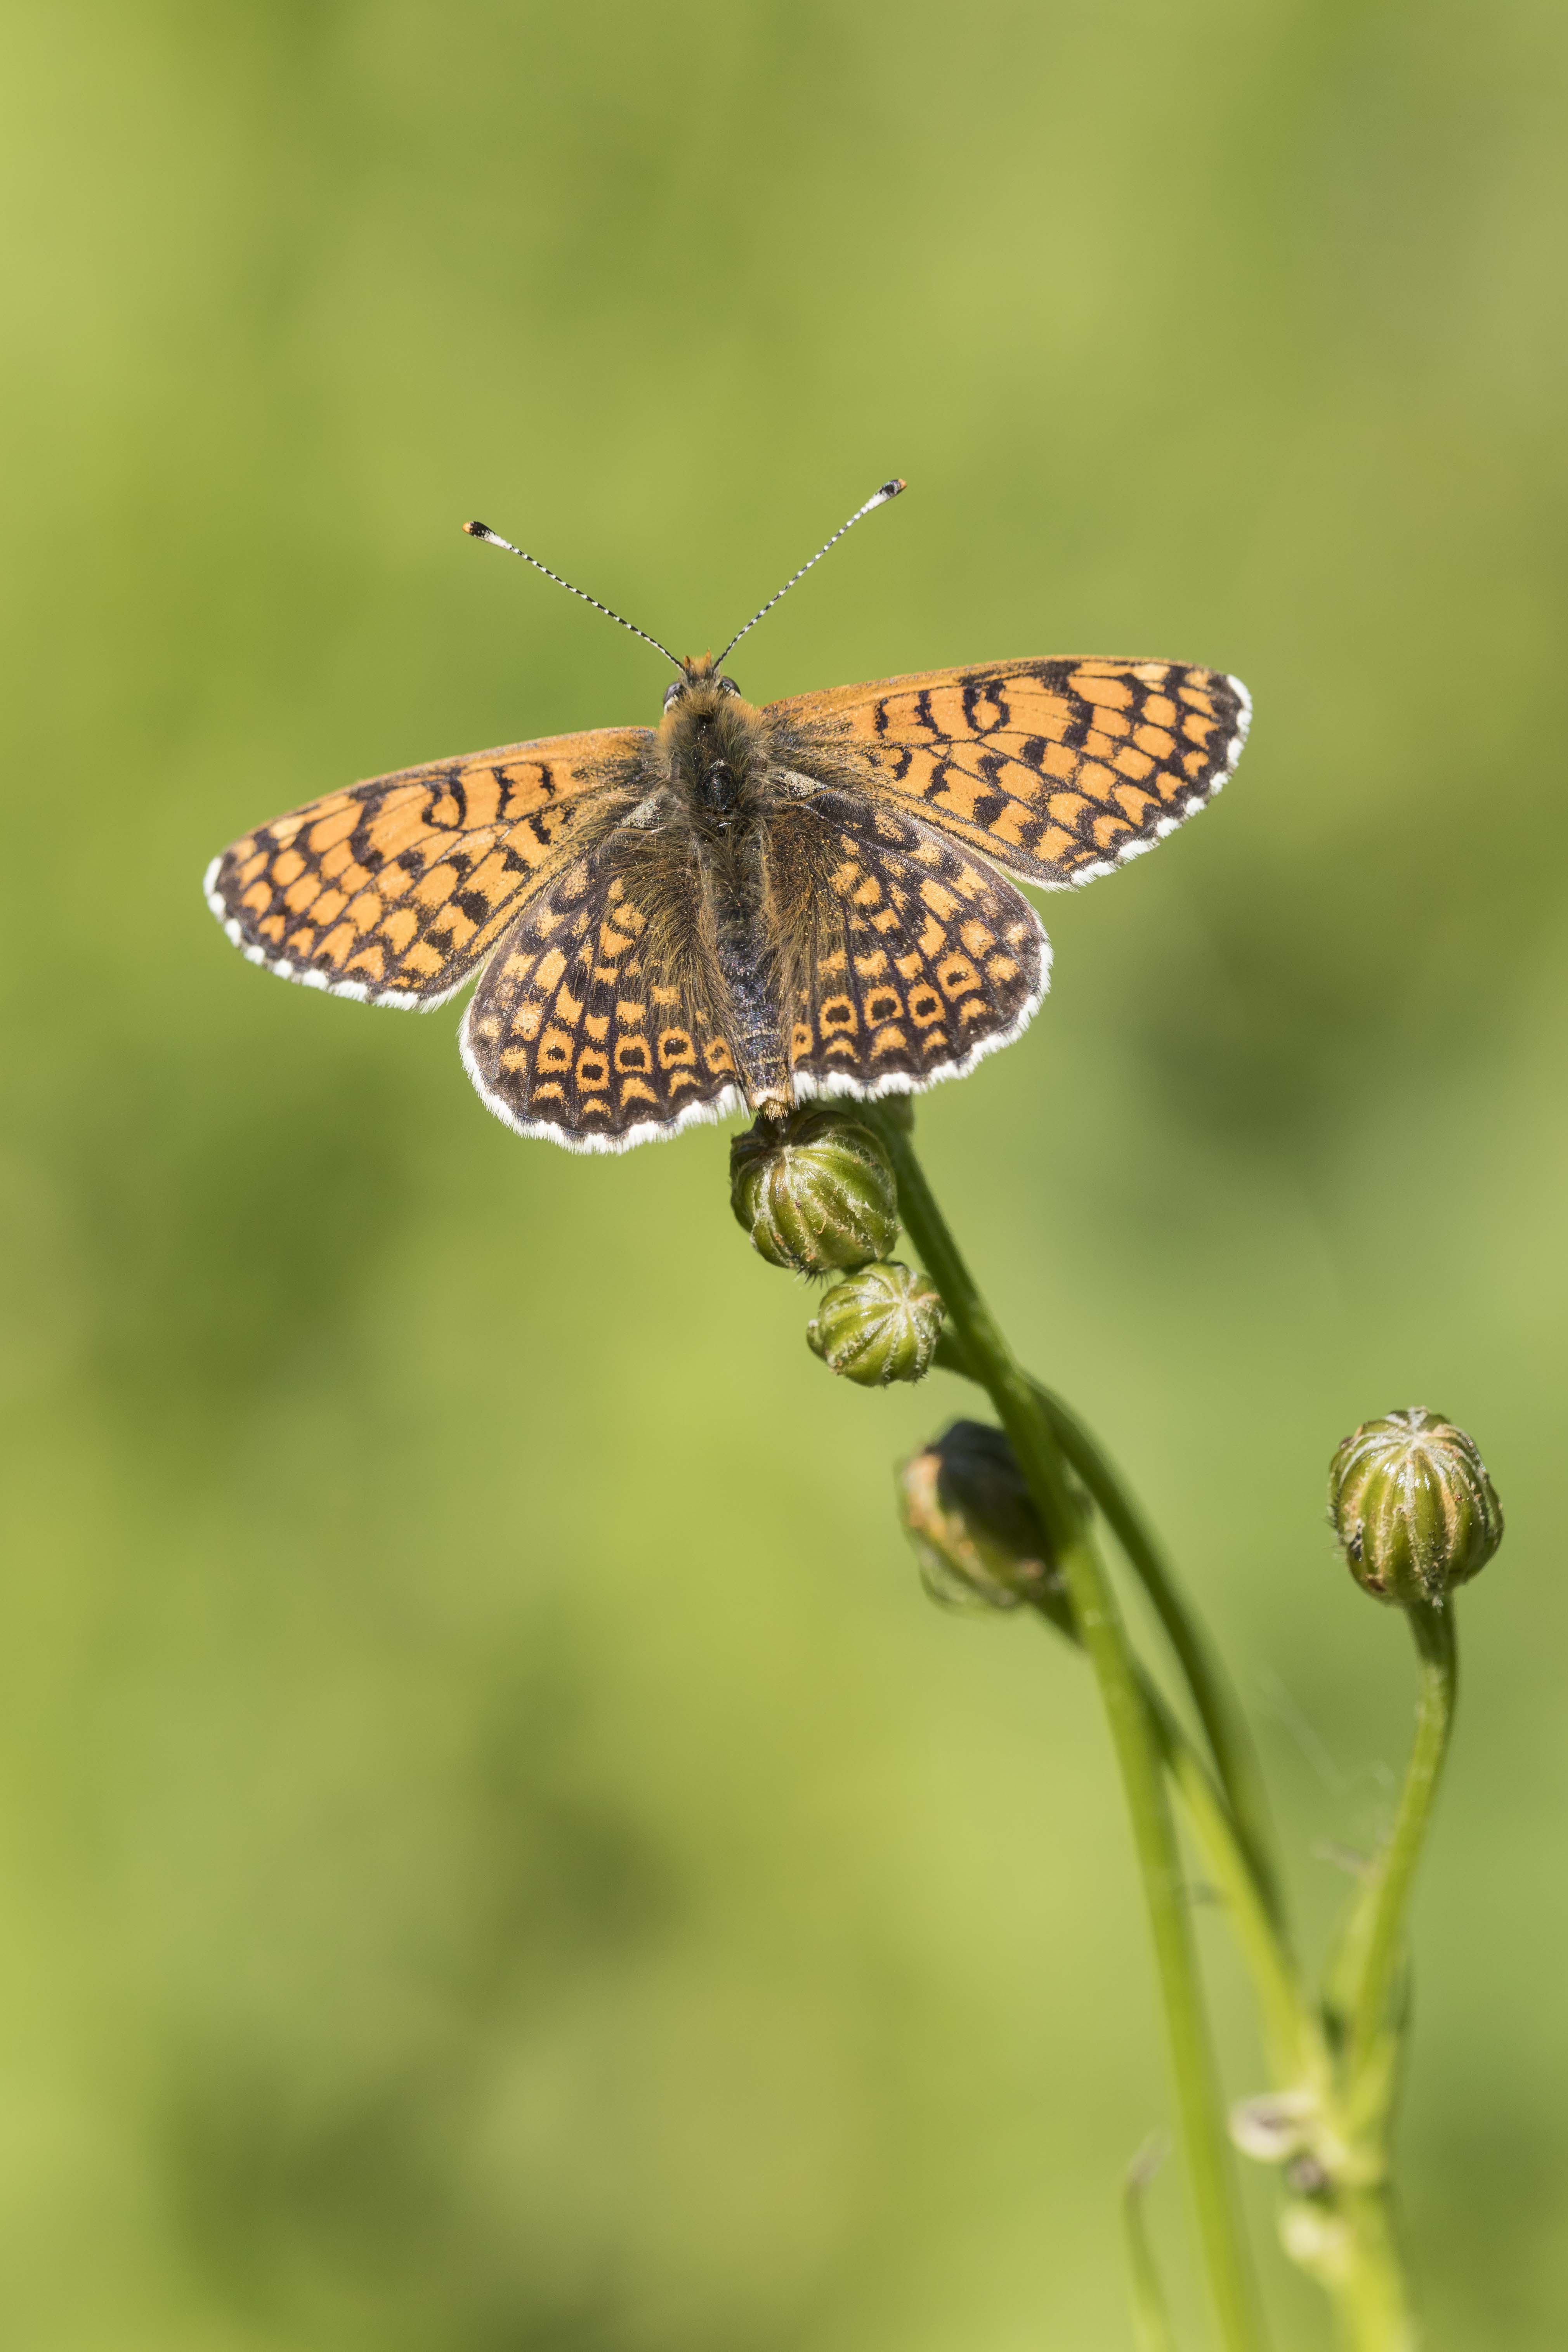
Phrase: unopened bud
x=881 y=1325
x=974 y=1528
x=816 y=1192
x=1413 y=1507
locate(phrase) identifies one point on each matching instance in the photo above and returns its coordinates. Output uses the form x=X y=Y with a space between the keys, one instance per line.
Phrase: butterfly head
x=712 y=738
x=698 y=687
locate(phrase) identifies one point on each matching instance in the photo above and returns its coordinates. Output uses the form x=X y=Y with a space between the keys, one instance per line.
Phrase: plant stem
x=1230 y=1743
x=1377 y=1940
x=1370 y=2292
x=1235 y=1759
x=1035 y=1443
x=1296 y=2053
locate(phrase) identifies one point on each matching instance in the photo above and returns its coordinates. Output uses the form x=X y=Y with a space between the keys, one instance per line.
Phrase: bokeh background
x=497 y=1851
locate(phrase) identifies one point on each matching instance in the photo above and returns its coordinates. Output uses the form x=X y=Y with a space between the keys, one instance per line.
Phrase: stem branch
x=1038 y=1449
x=1235 y=1759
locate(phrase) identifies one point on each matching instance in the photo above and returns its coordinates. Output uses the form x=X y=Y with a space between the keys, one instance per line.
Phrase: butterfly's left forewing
x=1057 y=769
x=397 y=891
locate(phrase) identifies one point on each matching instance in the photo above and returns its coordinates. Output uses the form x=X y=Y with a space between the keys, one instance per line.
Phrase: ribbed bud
x=975 y=1530
x=1413 y=1507
x=816 y=1193
x=879 y=1326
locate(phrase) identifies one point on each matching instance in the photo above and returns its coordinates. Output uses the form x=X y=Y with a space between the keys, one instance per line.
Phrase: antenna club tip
x=478 y=530
x=890 y=489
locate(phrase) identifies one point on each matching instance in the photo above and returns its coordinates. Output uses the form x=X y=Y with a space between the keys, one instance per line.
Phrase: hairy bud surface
x=881 y=1325
x=1413 y=1507
x=816 y=1192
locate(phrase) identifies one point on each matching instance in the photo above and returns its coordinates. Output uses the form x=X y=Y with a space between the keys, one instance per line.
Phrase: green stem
x=1297 y=2053
x=1377 y=1940
x=1235 y=1759
x=1230 y=1743
x=1371 y=2294
x=1199 y=2104
x=1347 y=2243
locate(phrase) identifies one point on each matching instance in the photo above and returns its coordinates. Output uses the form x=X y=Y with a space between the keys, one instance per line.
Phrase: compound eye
x=673 y=692
x=727 y=686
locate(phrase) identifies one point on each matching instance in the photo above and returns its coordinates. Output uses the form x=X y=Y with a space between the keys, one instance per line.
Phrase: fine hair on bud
x=816 y=1192
x=977 y=1534
x=1413 y=1507
x=882 y=1325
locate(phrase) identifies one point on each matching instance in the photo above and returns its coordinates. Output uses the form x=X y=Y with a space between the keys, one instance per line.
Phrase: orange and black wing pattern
x=1060 y=770
x=397 y=891
x=573 y=1035
x=922 y=958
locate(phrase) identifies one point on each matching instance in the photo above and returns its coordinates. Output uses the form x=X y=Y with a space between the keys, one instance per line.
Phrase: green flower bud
x=816 y=1193
x=975 y=1530
x=879 y=1326
x=1413 y=1507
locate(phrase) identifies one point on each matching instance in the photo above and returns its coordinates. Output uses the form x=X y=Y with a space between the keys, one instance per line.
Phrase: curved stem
x=1225 y=1727
x=1295 y=2050
x=1098 y=1620
x=1235 y=1759
x=1378 y=1936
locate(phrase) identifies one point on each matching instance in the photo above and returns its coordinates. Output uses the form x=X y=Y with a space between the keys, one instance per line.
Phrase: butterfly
x=741 y=906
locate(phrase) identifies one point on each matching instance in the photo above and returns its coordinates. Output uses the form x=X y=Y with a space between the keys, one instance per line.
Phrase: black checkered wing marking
x=1059 y=769
x=922 y=957
x=397 y=891
x=577 y=1033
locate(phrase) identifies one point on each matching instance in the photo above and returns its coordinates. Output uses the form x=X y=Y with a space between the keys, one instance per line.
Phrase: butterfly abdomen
x=719 y=769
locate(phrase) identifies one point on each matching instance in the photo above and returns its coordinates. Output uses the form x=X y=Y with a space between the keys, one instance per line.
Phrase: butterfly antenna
x=483 y=530
x=889 y=490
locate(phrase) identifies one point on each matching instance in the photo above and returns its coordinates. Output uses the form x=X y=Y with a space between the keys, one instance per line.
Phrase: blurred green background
x=497 y=1853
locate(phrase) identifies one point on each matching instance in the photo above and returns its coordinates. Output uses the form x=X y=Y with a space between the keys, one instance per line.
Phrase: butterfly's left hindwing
x=397 y=891
x=921 y=959
x=1057 y=769
x=571 y=1035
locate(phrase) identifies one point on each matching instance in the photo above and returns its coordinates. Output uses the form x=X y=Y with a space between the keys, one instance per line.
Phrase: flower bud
x=816 y=1193
x=974 y=1528
x=1413 y=1507
x=879 y=1326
